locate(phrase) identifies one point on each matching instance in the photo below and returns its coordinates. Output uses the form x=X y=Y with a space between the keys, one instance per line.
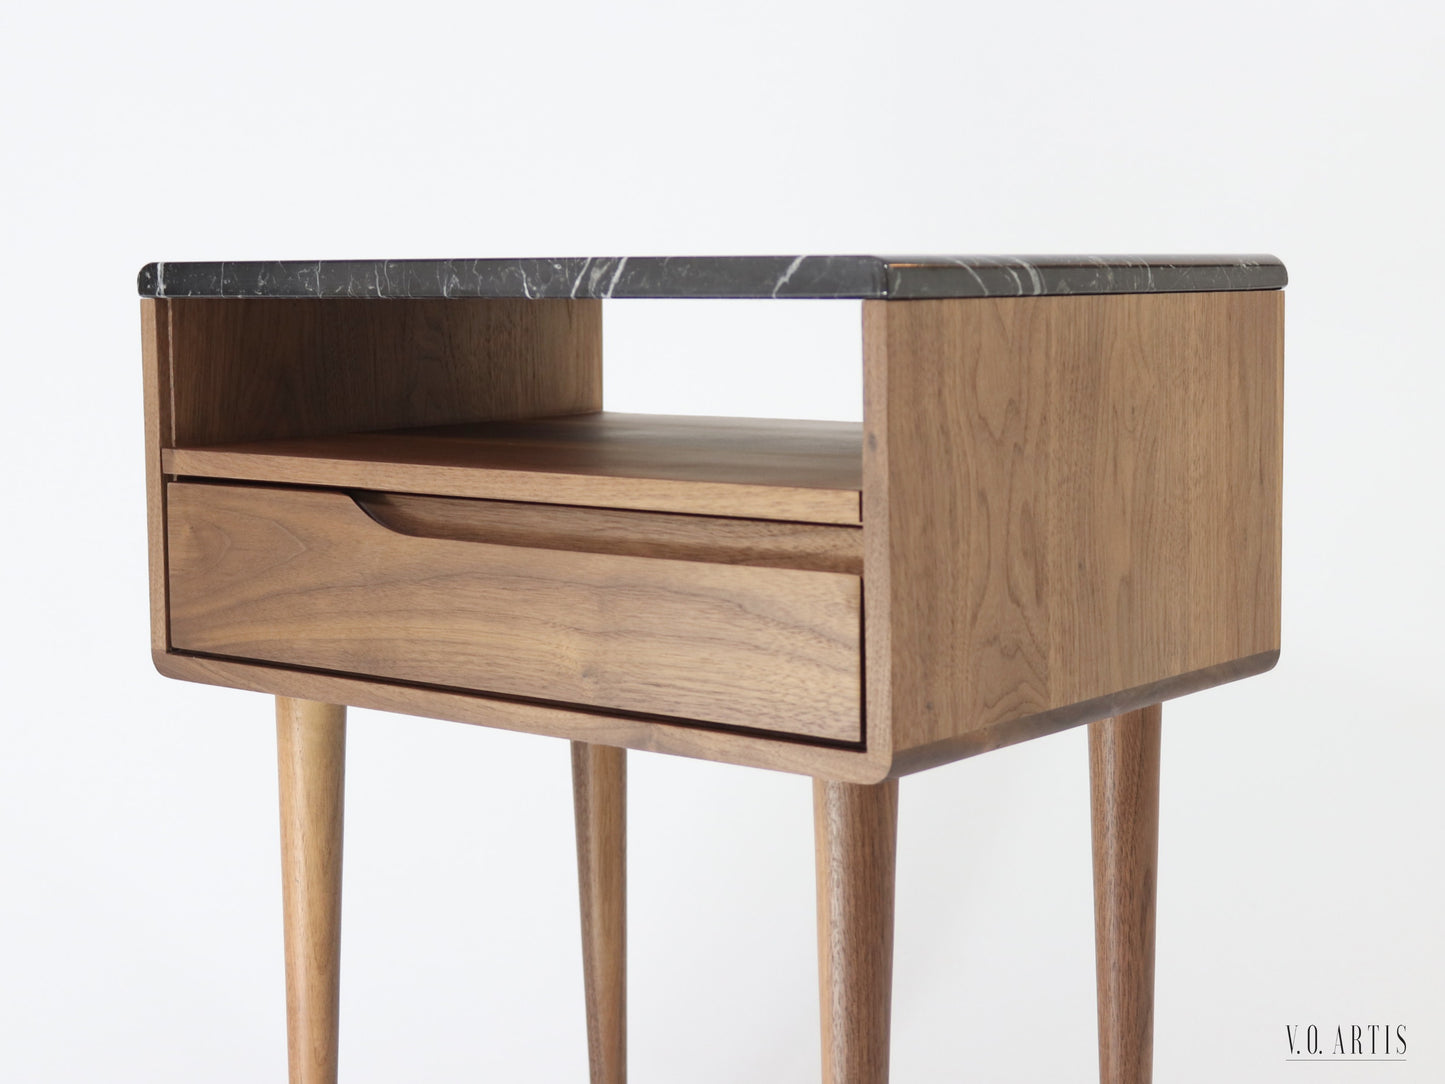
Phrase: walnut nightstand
x=391 y=485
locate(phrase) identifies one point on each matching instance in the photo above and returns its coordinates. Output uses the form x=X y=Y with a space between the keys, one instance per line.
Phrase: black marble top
x=896 y=277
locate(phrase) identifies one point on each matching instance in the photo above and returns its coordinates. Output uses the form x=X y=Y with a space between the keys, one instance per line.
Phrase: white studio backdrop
x=1303 y=827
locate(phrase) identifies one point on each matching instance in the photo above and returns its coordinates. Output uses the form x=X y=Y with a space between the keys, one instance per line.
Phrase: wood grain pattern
x=1069 y=506
x=311 y=753
x=710 y=539
x=1065 y=497
x=992 y=642
x=305 y=578
x=878 y=563
x=155 y=369
x=1124 y=790
x=807 y=471
x=599 y=798
x=1099 y=708
x=856 y=835
x=754 y=749
x=260 y=369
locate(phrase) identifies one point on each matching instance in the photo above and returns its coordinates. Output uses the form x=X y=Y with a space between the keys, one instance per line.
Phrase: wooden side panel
x=1076 y=497
x=155 y=363
x=876 y=509
x=1236 y=457
x=259 y=369
x=305 y=578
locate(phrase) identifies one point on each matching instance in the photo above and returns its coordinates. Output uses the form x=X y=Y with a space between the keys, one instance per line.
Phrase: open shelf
x=806 y=471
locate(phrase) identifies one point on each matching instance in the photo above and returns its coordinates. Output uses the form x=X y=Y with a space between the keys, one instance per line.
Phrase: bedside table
x=391 y=485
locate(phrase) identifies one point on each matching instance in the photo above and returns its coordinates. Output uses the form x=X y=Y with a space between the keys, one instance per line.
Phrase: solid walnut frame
x=1070 y=512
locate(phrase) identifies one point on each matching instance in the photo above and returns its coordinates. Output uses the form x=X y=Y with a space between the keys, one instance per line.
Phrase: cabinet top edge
x=817 y=277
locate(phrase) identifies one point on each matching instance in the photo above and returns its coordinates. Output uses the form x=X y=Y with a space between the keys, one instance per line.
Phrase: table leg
x=855 y=832
x=1124 y=775
x=599 y=797
x=311 y=751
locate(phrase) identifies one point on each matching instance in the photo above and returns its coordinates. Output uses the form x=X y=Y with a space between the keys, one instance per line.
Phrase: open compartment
x=492 y=399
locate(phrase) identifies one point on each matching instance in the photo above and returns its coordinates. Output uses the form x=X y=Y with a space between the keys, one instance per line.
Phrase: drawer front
x=307 y=578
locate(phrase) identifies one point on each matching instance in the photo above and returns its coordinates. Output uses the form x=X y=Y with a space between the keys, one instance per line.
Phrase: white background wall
x=1303 y=825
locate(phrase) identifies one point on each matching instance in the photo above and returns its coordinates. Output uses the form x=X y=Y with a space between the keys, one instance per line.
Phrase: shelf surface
x=858 y=277
x=804 y=471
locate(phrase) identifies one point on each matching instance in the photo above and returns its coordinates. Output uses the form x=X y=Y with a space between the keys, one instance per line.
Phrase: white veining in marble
x=862 y=277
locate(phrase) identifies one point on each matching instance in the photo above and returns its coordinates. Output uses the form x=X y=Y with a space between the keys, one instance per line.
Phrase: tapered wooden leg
x=599 y=797
x=855 y=831
x=311 y=748
x=1124 y=775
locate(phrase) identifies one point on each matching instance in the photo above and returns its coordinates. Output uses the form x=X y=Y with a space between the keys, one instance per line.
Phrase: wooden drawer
x=307 y=578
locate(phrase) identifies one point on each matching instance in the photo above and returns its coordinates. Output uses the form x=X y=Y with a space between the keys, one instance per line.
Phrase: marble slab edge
x=837 y=277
